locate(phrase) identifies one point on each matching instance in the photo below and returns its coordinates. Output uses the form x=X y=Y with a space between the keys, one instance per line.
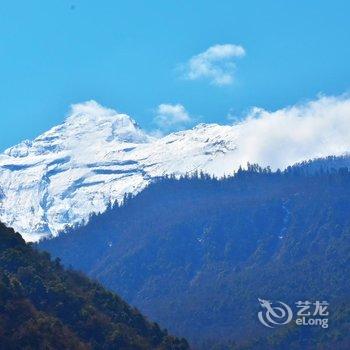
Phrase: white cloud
x=314 y=129
x=172 y=116
x=215 y=64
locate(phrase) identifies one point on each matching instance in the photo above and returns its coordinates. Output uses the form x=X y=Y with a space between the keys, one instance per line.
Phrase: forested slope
x=44 y=306
x=195 y=254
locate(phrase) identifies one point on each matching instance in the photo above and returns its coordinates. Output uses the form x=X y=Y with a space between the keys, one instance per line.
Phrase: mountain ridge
x=88 y=163
x=92 y=160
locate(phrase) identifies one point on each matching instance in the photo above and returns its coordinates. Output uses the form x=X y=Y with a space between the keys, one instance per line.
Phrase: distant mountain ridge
x=94 y=158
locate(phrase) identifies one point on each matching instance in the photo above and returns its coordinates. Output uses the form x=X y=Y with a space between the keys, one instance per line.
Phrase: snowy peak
x=88 y=123
x=89 y=118
x=91 y=160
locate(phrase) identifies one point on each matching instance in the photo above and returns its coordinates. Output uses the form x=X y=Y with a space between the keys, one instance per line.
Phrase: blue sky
x=133 y=56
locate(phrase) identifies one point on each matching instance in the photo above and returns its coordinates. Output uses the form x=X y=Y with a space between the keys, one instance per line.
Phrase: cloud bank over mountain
x=313 y=129
x=316 y=128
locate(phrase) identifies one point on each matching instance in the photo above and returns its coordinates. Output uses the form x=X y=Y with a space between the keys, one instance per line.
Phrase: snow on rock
x=91 y=160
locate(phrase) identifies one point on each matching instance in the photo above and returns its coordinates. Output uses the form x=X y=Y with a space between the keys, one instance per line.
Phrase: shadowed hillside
x=44 y=306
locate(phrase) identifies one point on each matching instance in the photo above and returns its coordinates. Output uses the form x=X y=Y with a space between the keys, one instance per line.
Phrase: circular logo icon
x=274 y=314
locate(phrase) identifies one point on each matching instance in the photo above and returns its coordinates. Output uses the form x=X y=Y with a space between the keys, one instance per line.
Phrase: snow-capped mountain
x=97 y=155
x=93 y=159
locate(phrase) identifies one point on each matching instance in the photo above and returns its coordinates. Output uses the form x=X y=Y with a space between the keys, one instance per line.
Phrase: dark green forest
x=44 y=306
x=196 y=253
